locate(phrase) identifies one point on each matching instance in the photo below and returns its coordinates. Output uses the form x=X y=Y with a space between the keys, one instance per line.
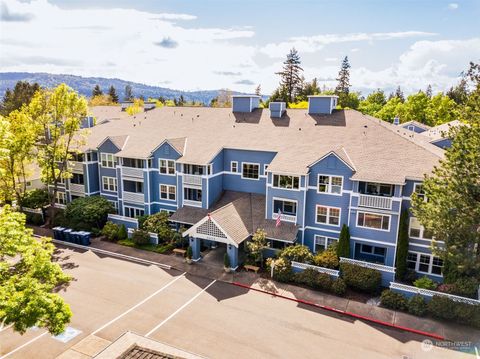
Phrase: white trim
x=430 y=263
x=329 y=185
x=254 y=164
x=375 y=214
x=320 y=229
x=300 y=188
x=328 y=215
x=115 y=184
x=170 y=144
x=421 y=229
x=168 y=192
x=114 y=160
x=372 y=241
x=328 y=154
x=231 y=166
x=326 y=241
x=168 y=167
x=192 y=231
x=285 y=200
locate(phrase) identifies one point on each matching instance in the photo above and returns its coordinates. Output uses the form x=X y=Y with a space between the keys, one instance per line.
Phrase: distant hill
x=84 y=85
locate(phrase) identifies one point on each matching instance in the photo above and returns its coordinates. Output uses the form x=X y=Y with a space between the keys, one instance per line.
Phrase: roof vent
x=322 y=104
x=245 y=103
x=147 y=106
x=396 y=121
x=277 y=109
x=125 y=104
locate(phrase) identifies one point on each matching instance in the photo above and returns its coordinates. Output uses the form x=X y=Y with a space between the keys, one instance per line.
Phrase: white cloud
x=310 y=44
x=453 y=6
x=331 y=59
x=355 y=49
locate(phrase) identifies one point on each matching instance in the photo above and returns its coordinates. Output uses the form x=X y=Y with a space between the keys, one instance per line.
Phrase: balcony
x=285 y=217
x=194 y=180
x=76 y=167
x=133 y=197
x=77 y=188
x=188 y=202
x=132 y=172
x=378 y=202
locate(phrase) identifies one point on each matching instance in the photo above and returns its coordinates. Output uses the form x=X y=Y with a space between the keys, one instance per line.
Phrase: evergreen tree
x=290 y=75
x=128 y=93
x=21 y=95
x=459 y=93
x=402 y=247
x=343 y=247
x=97 y=91
x=399 y=94
x=181 y=101
x=258 y=90
x=113 y=94
x=428 y=91
x=343 y=86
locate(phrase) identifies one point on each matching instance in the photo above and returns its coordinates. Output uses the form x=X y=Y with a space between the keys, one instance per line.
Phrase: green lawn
x=161 y=248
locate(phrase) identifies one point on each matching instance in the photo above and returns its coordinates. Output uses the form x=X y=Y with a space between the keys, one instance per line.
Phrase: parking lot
x=214 y=319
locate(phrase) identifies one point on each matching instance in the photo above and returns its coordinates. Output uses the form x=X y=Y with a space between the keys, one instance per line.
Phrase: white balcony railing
x=76 y=167
x=77 y=188
x=192 y=180
x=380 y=267
x=370 y=201
x=285 y=217
x=188 y=202
x=132 y=172
x=133 y=197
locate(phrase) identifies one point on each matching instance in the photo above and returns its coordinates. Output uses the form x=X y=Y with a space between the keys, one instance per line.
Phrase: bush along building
x=298 y=174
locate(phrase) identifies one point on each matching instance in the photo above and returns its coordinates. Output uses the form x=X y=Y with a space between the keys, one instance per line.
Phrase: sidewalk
x=450 y=331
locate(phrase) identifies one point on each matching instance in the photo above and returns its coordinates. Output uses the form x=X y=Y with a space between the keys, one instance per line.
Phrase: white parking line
x=5 y=328
x=139 y=304
x=23 y=345
x=179 y=309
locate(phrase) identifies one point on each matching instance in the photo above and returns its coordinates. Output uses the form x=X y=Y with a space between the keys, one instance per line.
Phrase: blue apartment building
x=223 y=173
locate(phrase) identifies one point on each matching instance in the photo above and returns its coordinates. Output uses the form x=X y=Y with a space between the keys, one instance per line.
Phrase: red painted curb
x=343 y=312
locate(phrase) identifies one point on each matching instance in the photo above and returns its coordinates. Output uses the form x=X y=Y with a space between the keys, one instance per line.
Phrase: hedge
x=361 y=278
x=393 y=300
x=317 y=280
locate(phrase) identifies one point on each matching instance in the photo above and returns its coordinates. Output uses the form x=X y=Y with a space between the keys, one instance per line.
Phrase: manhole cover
x=67 y=335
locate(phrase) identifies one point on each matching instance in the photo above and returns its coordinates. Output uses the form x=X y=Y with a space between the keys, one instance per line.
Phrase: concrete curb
x=343 y=312
x=112 y=254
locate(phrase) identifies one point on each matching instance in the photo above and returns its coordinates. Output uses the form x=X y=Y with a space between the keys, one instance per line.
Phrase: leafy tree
x=452 y=211
x=137 y=107
x=58 y=114
x=257 y=244
x=373 y=103
x=36 y=198
x=402 y=247
x=28 y=278
x=128 y=93
x=113 y=94
x=392 y=108
x=88 y=213
x=440 y=109
x=20 y=145
x=308 y=89
x=21 y=95
x=223 y=99
x=97 y=91
x=101 y=100
x=415 y=108
x=459 y=93
x=350 y=100
x=158 y=223
x=297 y=253
x=111 y=231
x=398 y=94
x=280 y=94
x=343 y=247
x=290 y=76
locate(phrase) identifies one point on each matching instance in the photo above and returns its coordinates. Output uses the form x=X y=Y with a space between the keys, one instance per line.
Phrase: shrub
x=314 y=279
x=140 y=236
x=111 y=231
x=88 y=213
x=122 y=232
x=158 y=223
x=180 y=241
x=417 y=305
x=282 y=270
x=141 y=220
x=36 y=198
x=34 y=218
x=59 y=218
x=444 y=308
x=425 y=283
x=363 y=279
x=393 y=300
x=441 y=307
x=226 y=260
x=410 y=276
x=327 y=259
x=297 y=253
x=189 y=253
x=466 y=287
x=343 y=247
x=339 y=287
x=402 y=247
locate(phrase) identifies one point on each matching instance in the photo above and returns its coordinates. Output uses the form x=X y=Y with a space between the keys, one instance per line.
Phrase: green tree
x=429 y=91
x=291 y=75
x=343 y=87
x=402 y=247
x=158 y=223
x=373 y=103
x=392 y=108
x=21 y=95
x=128 y=96
x=440 y=109
x=58 y=114
x=258 y=90
x=343 y=247
x=459 y=93
x=415 y=108
x=257 y=244
x=223 y=99
x=113 y=94
x=28 y=278
x=280 y=94
x=350 y=100
x=398 y=94
x=308 y=89
x=137 y=107
x=97 y=91
x=88 y=213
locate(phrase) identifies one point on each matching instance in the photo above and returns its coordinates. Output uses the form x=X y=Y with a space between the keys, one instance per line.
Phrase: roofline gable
x=335 y=154
x=192 y=230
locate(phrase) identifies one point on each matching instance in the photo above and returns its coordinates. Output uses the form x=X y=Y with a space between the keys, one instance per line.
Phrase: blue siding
x=241 y=104
x=320 y=105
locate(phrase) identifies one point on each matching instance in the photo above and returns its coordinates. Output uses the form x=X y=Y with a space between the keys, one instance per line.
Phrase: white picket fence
x=380 y=267
x=303 y=266
x=431 y=293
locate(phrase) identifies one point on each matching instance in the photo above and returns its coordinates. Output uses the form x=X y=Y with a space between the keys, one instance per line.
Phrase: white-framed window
x=250 y=170
x=234 y=166
x=115 y=205
x=330 y=184
x=288 y=182
x=169 y=212
x=322 y=242
x=411 y=127
x=373 y=221
x=416 y=230
x=265 y=168
x=424 y=263
x=166 y=167
x=109 y=184
x=418 y=189
x=168 y=192
x=373 y=250
x=285 y=206
x=328 y=215
x=60 y=198
x=108 y=160
x=133 y=212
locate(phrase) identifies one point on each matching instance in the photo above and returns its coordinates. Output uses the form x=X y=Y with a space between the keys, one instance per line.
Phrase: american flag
x=279 y=220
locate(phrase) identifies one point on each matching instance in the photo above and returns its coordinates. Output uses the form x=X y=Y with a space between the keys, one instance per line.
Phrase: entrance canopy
x=234 y=218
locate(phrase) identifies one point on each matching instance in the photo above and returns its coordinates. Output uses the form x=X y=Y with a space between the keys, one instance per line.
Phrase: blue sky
x=238 y=44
